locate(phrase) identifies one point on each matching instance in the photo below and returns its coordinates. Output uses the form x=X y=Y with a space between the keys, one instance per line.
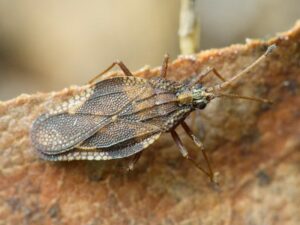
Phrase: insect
x=120 y=116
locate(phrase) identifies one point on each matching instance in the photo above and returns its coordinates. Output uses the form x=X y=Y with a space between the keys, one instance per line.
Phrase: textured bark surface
x=255 y=147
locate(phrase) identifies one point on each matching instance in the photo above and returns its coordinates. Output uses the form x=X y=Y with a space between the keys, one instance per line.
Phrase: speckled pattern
x=255 y=148
x=114 y=118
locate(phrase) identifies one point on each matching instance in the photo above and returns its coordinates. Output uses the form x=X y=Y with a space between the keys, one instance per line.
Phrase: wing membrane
x=53 y=134
x=113 y=94
x=119 y=132
x=81 y=117
x=122 y=138
x=105 y=120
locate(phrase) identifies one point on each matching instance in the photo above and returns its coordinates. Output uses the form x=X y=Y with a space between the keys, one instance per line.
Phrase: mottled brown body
x=119 y=117
x=114 y=118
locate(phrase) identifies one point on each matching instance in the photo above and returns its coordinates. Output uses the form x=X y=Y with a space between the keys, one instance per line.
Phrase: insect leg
x=217 y=74
x=186 y=155
x=134 y=160
x=119 y=63
x=164 y=67
x=198 y=143
x=199 y=77
x=191 y=135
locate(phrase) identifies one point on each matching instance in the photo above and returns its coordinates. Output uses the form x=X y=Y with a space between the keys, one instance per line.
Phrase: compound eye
x=201 y=105
x=198 y=86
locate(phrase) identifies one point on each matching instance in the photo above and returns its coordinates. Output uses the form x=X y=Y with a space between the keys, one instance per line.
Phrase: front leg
x=198 y=78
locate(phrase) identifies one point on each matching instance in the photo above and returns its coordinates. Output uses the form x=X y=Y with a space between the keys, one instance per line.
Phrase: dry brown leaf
x=255 y=148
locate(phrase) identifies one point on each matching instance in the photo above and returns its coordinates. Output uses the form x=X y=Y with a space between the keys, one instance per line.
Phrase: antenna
x=247 y=69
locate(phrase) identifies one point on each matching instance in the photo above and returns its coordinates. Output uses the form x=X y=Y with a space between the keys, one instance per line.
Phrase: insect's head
x=196 y=96
x=200 y=97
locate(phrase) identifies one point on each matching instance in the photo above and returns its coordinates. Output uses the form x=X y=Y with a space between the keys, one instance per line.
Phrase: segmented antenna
x=247 y=69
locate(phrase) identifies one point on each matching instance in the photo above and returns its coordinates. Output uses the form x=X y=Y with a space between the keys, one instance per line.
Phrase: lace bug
x=121 y=116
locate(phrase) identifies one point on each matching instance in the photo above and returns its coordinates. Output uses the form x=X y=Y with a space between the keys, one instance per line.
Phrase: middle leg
x=134 y=160
x=122 y=66
x=198 y=143
x=186 y=155
x=164 y=67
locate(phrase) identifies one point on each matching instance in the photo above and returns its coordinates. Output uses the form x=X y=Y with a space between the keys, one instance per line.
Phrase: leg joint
x=118 y=62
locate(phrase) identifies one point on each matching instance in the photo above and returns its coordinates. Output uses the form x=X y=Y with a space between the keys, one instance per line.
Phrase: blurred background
x=48 y=45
